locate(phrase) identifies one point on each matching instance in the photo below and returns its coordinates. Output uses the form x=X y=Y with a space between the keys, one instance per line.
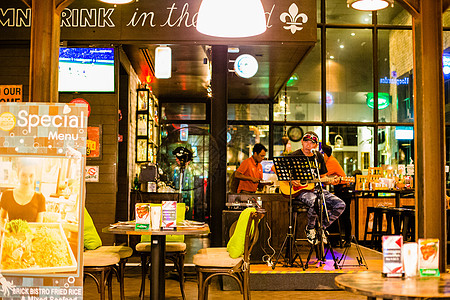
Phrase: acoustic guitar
x=298 y=186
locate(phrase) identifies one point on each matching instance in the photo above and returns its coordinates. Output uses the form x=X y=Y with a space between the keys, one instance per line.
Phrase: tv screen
x=86 y=70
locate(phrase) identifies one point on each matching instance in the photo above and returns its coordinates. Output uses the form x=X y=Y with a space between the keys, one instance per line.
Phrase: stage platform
x=315 y=277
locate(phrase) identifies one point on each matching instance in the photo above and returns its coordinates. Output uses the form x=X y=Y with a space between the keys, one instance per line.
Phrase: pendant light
x=369 y=5
x=231 y=18
x=117 y=1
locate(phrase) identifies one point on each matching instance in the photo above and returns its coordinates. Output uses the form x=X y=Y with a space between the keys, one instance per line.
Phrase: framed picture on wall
x=94 y=142
x=142 y=100
x=141 y=150
x=142 y=121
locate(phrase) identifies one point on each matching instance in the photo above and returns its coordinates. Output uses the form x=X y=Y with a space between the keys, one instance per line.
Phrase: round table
x=373 y=285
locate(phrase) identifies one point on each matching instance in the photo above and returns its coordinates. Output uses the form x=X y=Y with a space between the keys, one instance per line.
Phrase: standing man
x=250 y=171
x=335 y=206
x=340 y=190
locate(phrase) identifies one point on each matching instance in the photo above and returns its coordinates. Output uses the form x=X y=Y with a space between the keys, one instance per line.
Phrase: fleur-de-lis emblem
x=293 y=25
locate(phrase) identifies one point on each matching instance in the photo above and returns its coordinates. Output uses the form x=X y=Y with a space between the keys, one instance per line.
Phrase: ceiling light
x=117 y=1
x=231 y=18
x=341 y=46
x=369 y=5
x=163 y=62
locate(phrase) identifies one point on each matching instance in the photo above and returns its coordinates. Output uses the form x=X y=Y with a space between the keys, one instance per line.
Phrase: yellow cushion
x=235 y=246
x=215 y=259
x=91 y=238
x=170 y=247
x=92 y=258
x=123 y=251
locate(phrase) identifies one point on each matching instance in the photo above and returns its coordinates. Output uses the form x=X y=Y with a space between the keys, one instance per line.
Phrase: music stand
x=290 y=168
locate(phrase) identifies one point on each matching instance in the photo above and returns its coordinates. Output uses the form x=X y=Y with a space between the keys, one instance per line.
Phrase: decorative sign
x=11 y=93
x=245 y=66
x=92 y=173
x=384 y=99
x=286 y=21
x=93 y=144
x=46 y=143
x=82 y=101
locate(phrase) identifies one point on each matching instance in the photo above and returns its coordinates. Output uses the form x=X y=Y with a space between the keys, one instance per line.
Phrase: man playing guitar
x=335 y=206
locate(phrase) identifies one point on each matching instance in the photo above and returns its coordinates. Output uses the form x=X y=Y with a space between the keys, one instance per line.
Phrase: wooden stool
x=377 y=227
x=370 y=210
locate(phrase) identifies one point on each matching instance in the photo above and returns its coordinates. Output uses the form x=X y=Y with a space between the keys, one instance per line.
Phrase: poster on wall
x=42 y=161
x=94 y=142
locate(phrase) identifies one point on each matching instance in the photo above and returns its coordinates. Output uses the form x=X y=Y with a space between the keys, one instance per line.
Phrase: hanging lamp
x=117 y=1
x=369 y=5
x=231 y=18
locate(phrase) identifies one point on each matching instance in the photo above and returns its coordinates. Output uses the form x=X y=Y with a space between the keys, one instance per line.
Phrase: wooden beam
x=429 y=126
x=27 y=2
x=412 y=6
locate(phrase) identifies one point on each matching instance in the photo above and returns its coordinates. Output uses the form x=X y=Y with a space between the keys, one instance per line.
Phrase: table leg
x=158 y=259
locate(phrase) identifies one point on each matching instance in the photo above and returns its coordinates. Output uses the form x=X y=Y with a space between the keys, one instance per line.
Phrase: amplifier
x=229 y=221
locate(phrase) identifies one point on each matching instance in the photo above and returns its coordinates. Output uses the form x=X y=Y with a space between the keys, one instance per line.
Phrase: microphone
x=314 y=151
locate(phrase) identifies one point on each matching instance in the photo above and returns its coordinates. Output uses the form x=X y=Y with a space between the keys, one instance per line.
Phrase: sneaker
x=311 y=235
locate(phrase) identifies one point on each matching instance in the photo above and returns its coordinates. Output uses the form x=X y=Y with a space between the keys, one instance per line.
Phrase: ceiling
x=190 y=70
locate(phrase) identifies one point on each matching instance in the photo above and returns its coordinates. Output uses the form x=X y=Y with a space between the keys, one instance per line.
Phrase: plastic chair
x=211 y=262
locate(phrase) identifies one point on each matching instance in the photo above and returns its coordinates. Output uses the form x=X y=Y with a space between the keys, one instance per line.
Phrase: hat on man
x=311 y=136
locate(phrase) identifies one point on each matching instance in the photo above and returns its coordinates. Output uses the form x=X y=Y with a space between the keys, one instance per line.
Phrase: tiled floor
x=133 y=280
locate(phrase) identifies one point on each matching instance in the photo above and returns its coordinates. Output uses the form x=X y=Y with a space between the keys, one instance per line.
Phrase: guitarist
x=341 y=190
x=335 y=205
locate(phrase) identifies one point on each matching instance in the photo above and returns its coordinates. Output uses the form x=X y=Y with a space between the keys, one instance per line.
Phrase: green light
x=293 y=80
x=384 y=99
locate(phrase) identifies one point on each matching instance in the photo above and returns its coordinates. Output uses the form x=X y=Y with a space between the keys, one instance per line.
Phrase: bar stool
x=370 y=210
x=379 y=214
x=408 y=219
x=297 y=208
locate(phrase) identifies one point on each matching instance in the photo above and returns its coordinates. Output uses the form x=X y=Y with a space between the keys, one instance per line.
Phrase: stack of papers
x=124 y=225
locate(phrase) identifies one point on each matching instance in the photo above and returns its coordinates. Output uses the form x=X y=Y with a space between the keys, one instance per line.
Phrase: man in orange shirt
x=250 y=171
x=340 y=190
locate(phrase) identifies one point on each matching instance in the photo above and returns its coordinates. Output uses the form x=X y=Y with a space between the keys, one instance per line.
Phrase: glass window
x=248 y=112
x=352 y=146
x=302 y=90
x=395 y=145
x=183 y=111
x=395 y=86
x=240 y=141
x=337 y=12
x=349 y=74
x=394 y=16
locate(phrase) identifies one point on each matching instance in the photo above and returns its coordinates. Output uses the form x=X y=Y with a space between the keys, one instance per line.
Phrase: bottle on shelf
x=136 y=183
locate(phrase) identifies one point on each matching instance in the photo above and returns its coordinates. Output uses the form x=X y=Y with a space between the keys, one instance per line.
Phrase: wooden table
x=373 y=285
x=158 y=252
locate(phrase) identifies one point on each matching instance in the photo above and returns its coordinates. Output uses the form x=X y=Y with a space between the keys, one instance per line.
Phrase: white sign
x=91 y=174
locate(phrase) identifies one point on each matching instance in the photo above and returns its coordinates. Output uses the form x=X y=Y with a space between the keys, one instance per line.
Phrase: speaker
x=229 y=221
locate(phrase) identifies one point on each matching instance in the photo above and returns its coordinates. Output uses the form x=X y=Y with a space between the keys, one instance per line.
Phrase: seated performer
x=250 y=171
x=340 y=190
x=335 y=206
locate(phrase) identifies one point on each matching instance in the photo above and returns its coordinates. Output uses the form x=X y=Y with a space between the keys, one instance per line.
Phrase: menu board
x=42 y=162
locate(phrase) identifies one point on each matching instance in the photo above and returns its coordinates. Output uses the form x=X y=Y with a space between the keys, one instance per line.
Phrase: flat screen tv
x=86 y=70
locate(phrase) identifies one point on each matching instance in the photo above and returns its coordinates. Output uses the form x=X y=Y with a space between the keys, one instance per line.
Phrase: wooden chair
x=100 y=267
x=211 y=262
x=94 y=251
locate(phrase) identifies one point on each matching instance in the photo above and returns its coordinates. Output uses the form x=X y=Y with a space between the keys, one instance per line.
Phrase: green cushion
x=91 y=238
x=235 y=246
x=181 y=214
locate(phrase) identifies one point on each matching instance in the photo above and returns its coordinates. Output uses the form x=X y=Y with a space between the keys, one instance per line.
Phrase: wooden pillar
x=218 y=180
x=429 y=125
x=44 y=48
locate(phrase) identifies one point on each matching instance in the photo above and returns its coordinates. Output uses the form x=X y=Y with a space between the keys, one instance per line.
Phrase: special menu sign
x=164 y=20
x=42 y=160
